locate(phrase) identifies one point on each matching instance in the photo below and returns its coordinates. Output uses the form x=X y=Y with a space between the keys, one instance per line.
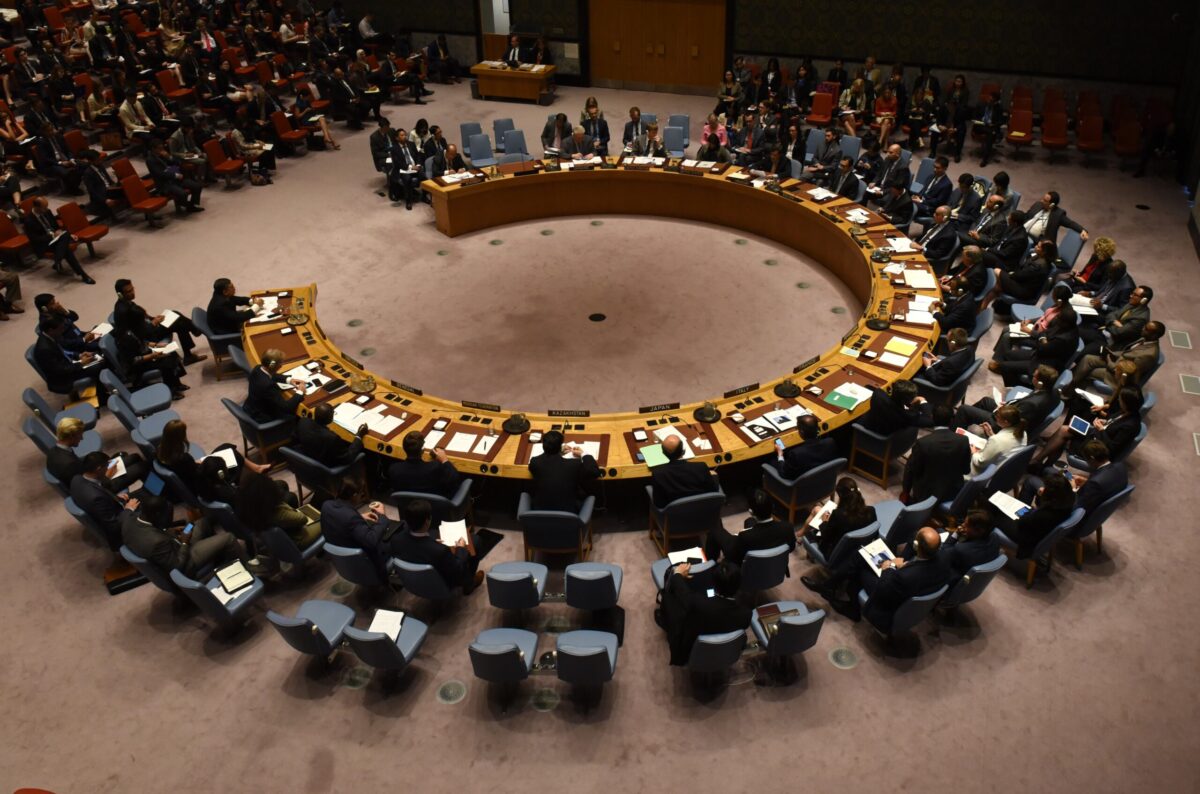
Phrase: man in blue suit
x=934 y=194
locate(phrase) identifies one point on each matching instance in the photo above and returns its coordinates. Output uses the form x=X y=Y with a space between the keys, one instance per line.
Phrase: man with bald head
x=677 y=477
x=970 y=268
x=902 y=579
x=938 y=241
x=990 y=225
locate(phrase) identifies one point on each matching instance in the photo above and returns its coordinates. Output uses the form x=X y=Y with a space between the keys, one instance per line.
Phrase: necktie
x=929 y=235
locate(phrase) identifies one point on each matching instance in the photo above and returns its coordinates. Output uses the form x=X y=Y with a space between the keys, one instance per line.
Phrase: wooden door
x=657 y=44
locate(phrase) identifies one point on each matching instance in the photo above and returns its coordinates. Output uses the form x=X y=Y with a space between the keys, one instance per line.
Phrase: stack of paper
x=1008 y=505
x=461 y=442
x=920 y=279
x=848 y=396
x=1083 y=305
x=382 y=424
x=823 y=514
x=1016 y=331
x=433 y=438
x=894 y=269
x=894 y=360
x=1094 y=399
x=820 y=193
x=346 y=416
x=387 y=621
x=706 y=164
x=785 y=418
x=858 y=216
x=642 y=160
x=901 y=245
x=689 y=163
x=900 y=346
x=451 y=532
x=168 y=318
x=663 y=433
x=269 y=304
x=102 y=329
x=918 y=317
x=921 y=302
x=977 y=442
x=692 y=555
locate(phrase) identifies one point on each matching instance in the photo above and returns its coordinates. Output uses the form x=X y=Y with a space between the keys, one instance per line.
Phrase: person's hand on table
x=576 y=451
x=439 y=455
x=297 y=383
x=87 y=358
x=362 y=430
x=461 y=543
x=257 y=301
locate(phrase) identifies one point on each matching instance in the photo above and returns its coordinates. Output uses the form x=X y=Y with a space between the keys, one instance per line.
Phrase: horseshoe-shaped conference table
x=844 y=237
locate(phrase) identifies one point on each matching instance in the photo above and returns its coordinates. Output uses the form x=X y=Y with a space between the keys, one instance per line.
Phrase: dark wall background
x=444 y=16
x=1141 y=42
x=557 y=19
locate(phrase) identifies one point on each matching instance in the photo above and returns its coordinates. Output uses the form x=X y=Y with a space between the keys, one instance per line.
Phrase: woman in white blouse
x=1010 y=436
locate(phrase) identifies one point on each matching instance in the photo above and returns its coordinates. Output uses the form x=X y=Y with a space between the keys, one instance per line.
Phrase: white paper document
x=116 y=468
x=169 y=348
x=461 y=442
x=234 y=577
x=168 y=318
x=346 y=416
x=383 y=424
x=918 y=318
x=663 y=433
x=1094 y=399
x=694 y=553
x=901 y=245
x=1008 y=505
x=1016 y=331
x=451 y=532
x=433 y=437
x=387 y=621
x=823 y=514
x=820 y=193
x=919 y=279
x=853 y=391
x=225 y=455
x=102 y=329
x=785 y=418
x=977 y=442
x=894 y=360
x=876 y=553
x=485 y=444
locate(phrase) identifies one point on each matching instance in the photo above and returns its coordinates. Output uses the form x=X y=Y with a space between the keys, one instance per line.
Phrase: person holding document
x=413 y=472
x=580 y=145
x=1053 y=503
x=64 y=464
x=456 y=564
x=155 y=328
x=228 y=311
x=850 y=512
x=174 y=452
x=60 y=366
x=407 y=170
x=559 y=482
x=343 y=525
x=138 y=357
x=265 y=400
x=649 y=144
x=686 y=612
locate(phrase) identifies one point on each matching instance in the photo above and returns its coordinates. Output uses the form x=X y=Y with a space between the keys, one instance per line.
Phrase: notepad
x=387 y=621
x=900 y=346
x=383 y=424
x=918 y=318
x=1008 y=505
x=234 y=577
x=451 y=532
x=1016 y=331
x=346 y=416
x=168 y=318
x=693 y=555
x=901 y=245
x=226 y=455
x=820 y=193
x=977 y=442
x=485 y=444
x=432 y=438
x=920 y=279
x=759 y=429
x=894 y=360
x=823 y=514
x=102 y=329
x=894 y=269
x=652 y=455
x=461 y=442
x=1094 y=399
x=116 y=468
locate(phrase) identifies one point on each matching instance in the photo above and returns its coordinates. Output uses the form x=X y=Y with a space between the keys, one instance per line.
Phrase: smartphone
x=710 y=592
x=187 y=531
x=779 y=444
x=641 y=458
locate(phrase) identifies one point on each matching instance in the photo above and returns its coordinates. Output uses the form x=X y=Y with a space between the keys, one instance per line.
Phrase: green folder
x=840 y=400
x=653 y=454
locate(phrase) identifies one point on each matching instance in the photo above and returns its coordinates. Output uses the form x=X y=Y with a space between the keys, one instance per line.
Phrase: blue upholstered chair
x=763 y=569
x=689 y=517
x=84 y=412
x=1044 y=551
x=217 y=343
x=879 y=450
x=555 y=531
x=593 y=585
x=317 y=628
x=516 y=585
x=971 y=584
x=793 y=634
x=382 y=652
x=1093 y=522
x=586 y=659
x=909 y=615
x=354 y=566
x=898 y=522
x=807 y=489
x=228 y=615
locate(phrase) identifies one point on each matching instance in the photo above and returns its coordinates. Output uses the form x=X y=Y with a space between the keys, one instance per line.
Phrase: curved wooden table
x=817 y=229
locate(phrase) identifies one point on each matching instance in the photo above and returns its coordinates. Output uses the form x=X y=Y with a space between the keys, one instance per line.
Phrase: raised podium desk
x=505 y=83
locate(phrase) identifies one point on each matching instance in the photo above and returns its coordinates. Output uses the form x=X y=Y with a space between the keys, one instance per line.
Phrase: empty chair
x=1044 y=551
x=212 y=599
x=143 y=402
x=898 y=522
x=879 y=450
x=952 y=393
x=1094 y=523
x=586 y=658
x=503 y=656
x=238 y=357
x=763 y=569
x=973 y=488
x=556 y=531
x=689 y=517
x=805 y=490
x=217 y=343
x=592 y=585
x=1020 y=128
x=811 y=144
x=848 y=544
x=821 y=113
x=514 y=143
x=319 y=479
x=354 y=566
x=150 y=427
x=909 y=615
x=481 y=151
x=280 y=546
x=75 y=221
x=515 y=157
x=516 y=585
x=683 y=122
x=380 y=651
x=673 y=141
x=852 y=148
x=421 y=580
x=703 y=574
x=140 y=199
x=317 y=628
x=263 y=437
x=84 y=412
x=1089 y=135
x=1128 y=141
x=971 y=584
x=714 y=654
x=465 y=131
x=792 y=634
x=222 y=165
x=1054 y=131
x=500 y=128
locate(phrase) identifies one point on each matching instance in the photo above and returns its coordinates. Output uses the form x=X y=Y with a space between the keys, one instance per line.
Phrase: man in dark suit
x=1106 y=480
x=677 y=477
x=227 y=311
x=813 y=451
x=972 y=545
x=558 y=481
x=414 y=473
x=346 y=101
x=65 y=464
x=687 y=612
x=957 y=308
x=965 y=204
x=934 y=194
x=450 y=162
x=896 y=411
x=971 y=269
x=901 y=580
x=1007 y=251
x=580 y=145
x=897 y=206
x=634 y=128
x=454 y=564
x=407 y=170
x=435 y=146
x=265 y=401
x=1143 y=352
x=73 y=339
x=1033 y=407
x=1045 y=218
x=128 y=314
x=988 y=225
x=596 y=128
x=53 y=159
x=944 y=370
x=843 y=181
x=170 y=181
x=1114 y=289
x=149 y=533
x=95 y=495
x=48 y=239
x=938 y=461
x=826 y=159
x=762 y=531
x=557 y=132
x=514 y=55
x=939 y=241
x=381 y=144
x=61 y=367
x=650 y=143
x=1120 y=327
x=991 y=119
x=320 y=443
x=342 y=525
x=103 y=189
x=891 y=172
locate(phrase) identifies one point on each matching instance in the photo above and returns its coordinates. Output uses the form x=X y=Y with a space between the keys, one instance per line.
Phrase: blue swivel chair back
x=503 y=656
x=555 y=531
x=971 y=585
x=898 y=522
x=381 y=651
x=1093 y=522
x=989 y=284
x=452 y=509
x=145 y=401
x=317 y=628
x=983 y=323
x=465 y=131
x=716 y=653
x=227 y=615
x=851 y=147
x=499 y=128
x=125 y=414
x=924 y=173
x=649 y=118
x=281 y=547
x=218 y=343
x=160 y=578
x=914 y=610
x=147 y=447
x=850 y=543
x=37 y=404
x=224 y=514
x=354 y=566
x=986 y=182
x=178 y=490
x=880 y=450
x=315 y=475
x=810 y=487
x=862 y=191
x=238 y=357
x=794 y=633
x=1051 y=418
x=905 y=160
x=951 y=394
x=55 y=483
x=703 y=574
x=264 y=436
x=673 y=141
x=593 y=585
x=815 y=137
x=586 y=658
x=763 y=569
x=514 y=143
x=481 y=151
x=1069 y=248
x=974 y=488
x=1045 y=547
x=684 y=122
x=516 y=585
x=85 y=520
x=797 y=168
x=422 y=580
x=38 y=433
x=690 y=516
x=1011 y=468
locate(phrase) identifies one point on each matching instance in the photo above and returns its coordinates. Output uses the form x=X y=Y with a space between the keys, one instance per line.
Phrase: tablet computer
x=1080 y=425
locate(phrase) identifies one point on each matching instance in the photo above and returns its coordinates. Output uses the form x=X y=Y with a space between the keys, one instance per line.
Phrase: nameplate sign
x=352 y=361
x=481 y=406
x=658 y=409
x=569 y=412
x=741 y=390
x=407 y=388
x=806 y=365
